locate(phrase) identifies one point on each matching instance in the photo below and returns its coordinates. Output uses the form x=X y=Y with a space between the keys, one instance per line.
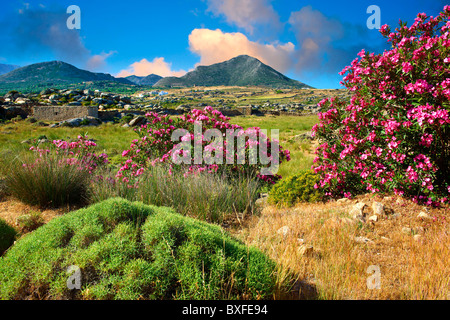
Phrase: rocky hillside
x=149 y=80
x=52 y=73
x=242 y=70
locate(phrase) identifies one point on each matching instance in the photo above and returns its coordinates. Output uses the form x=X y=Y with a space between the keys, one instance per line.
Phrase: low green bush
x=128 y=250
x=7 y=236
x=296 y=188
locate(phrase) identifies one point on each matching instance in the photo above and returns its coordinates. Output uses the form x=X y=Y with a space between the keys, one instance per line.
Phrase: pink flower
x=406 y=67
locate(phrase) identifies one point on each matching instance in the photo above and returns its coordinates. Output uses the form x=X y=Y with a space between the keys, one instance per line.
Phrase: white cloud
x=246 y=14
x=215 y=46
x=144 y=68
x=98 y=61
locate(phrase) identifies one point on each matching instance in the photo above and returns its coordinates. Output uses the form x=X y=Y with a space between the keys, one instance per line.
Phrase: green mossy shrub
x=295 y=189
x=128 y=250
x=7 y=236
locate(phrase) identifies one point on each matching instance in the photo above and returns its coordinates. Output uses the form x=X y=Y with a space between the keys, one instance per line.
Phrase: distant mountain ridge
x=239 y=71
x=149 y=80
x=55 y=72
x=5 y=68
x=242 y=70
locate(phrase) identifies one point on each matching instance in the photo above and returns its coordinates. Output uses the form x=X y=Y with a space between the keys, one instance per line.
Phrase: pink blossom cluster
x=394 y=133
x=80 y=153
x=155 y=145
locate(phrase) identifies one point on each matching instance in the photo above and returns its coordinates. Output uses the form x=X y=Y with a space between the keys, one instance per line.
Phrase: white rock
x=373 y=218
x=423 y=215
x=406 y=230
x=362 y=240
x=283 y=231
x=357 y=211
x=378 y=208
x=305 y=250
x=360 y=205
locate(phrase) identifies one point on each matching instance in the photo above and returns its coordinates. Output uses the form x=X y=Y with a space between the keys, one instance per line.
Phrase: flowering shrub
x=79 y=152
x=394 y=135
x=155 y=145
x=56 y=176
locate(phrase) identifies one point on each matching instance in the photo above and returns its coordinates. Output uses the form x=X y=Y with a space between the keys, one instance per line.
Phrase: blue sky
x=310 y=41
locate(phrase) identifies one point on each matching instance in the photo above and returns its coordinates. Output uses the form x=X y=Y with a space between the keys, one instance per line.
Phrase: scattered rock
x=406 y=230
x=378 y=208
x=373 y=218
x=423 y=215
x=362 y=240
x=417 y=237
x=357 y=211
x=137 y=121
x=305 y=250
x=261 y=202
x=284 y=231
x=303 y=136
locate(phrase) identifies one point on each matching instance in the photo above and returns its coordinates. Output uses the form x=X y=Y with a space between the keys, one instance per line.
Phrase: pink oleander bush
x=78 y=153
x=394 y=135
x=155 y=145
x=59 y=174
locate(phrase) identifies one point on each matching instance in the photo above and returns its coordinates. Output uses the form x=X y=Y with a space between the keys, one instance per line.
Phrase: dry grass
x=410 y=267
x=11 y=209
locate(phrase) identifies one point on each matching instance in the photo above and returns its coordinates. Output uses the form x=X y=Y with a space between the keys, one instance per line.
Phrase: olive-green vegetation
x=296 y=188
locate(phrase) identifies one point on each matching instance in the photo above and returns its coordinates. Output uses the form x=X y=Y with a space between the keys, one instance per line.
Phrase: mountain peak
x=54 y=72
x=242 y=70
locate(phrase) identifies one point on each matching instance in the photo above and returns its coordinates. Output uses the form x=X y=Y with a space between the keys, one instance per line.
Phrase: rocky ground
x=337 y=249
x=293 y=101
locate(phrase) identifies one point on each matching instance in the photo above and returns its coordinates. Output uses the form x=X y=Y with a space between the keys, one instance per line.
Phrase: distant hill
x=242 y=70
x=50 y=74
x=5 y=68
x=144 y=81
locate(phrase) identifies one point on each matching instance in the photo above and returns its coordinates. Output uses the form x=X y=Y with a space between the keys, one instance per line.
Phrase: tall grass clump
x=206 y=196
x=46 y=180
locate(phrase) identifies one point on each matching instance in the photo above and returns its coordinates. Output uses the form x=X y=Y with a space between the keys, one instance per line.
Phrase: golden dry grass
x=411 y=267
